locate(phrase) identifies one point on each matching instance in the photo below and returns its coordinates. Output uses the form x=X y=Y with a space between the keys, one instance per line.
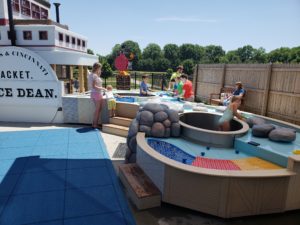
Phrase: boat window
x=16 y=5
x=27 y=35
x=43 y=35
x=61 y=36
x=67 y=38
x=83 y=44
x=25 y=8
x=78 y=42
x=35 y=11
x=73 y=41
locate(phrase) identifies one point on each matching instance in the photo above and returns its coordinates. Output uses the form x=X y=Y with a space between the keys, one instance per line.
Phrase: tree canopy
x=155 y=58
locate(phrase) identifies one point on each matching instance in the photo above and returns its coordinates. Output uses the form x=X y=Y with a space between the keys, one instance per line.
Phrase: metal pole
x=57 y=11
x=11 y=24
x=152 y=81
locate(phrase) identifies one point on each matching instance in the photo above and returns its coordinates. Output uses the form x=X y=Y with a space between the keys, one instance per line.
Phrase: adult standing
x=175 y=74
x=187 y=89
x=95 y=86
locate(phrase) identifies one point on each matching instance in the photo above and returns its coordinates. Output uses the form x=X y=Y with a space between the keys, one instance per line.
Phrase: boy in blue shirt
x=144 y=86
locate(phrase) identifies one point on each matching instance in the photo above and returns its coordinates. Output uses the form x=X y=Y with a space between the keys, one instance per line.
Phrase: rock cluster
x=262 y=129
x=155 y=120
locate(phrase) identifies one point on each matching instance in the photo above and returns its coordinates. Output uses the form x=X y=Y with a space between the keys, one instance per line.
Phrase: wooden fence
x=272 y=89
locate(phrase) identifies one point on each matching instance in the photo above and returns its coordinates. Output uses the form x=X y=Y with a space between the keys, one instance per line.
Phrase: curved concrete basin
x=203 y=127
x=223 y=193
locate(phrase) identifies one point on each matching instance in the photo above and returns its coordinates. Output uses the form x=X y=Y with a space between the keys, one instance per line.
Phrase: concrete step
x=115 y=129
x=122 y=121
x=141 y=190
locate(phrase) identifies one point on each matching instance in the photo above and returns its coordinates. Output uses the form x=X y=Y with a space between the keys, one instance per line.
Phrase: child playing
x=144 y=89
x=229 y=113
x=111 y=101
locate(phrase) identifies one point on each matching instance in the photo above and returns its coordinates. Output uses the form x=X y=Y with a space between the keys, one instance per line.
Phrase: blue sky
x=229 y=23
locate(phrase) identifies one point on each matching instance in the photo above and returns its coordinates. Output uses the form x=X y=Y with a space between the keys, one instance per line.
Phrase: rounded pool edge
x=211 y=137
x=143 y=145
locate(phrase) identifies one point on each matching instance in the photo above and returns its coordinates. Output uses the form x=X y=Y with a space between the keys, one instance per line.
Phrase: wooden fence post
x=223 y=76
x=266 y=92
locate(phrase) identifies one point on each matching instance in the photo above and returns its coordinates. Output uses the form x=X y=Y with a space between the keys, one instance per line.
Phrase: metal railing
x=157 y=81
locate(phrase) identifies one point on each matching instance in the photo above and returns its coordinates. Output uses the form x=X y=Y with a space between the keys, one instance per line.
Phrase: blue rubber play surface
x=59 y=176
x=191 y=150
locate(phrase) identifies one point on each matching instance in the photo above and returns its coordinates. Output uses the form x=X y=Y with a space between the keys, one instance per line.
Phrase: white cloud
x=184 y=20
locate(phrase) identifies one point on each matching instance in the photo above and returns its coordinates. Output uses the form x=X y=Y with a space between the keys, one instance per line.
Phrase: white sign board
x=29 y=88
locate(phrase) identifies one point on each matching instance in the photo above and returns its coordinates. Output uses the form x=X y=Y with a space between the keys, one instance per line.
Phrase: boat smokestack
x=56 y=4
x=12 y=32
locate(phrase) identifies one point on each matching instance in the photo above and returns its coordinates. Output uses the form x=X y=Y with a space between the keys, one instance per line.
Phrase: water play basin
x=203 y=127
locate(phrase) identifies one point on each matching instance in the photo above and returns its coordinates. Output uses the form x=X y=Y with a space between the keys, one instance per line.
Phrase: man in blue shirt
x=144 y=86
x=239 y=91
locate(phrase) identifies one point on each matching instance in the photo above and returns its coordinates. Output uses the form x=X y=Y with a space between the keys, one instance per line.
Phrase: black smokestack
x=11 y=24
x=57 y=11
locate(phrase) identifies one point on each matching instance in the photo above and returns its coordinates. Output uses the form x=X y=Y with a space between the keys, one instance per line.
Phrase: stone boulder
x=282 y=134
x=175 y=130
x=133 y=128
x=160 y=116
x=255 y=121
x=158 y=130
x=155 y=120
x=262 y=130
x=146 y=118
x=145 y=129
x=173 y=115
x=154 y=107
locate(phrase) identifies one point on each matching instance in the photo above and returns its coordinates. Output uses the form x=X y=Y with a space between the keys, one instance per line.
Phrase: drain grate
x=120 y=151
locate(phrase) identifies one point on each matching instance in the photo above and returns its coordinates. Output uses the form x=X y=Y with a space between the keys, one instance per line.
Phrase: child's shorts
x=111 y=104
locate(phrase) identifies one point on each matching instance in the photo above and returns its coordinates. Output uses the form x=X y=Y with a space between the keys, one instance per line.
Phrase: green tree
x=146 y=65
x=280 y=55
x=260 y=56
x=106 y=70
x=171 y=52
x=246 y=53
x=213 y=54
x=188 y=51
x=90 y=51
x=152 y=51
x=188 y=65
x=231 y=57
x=131 y=47
x=295 y=55
x=161 y=64
x=200 y=53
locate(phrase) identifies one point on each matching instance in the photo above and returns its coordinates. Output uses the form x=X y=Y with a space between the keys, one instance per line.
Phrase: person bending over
x=229 y=113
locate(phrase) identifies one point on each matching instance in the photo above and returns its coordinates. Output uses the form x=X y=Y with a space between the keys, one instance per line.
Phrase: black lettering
x=15 y=73
x=8 y=74
x=21 y=92
x=27 y=74
x=8 y=92
x=30 y=93
x=21 y=74
x=1 y=92
x=49 y=93
x=6 y=54
x=39 y=94
x=2 y=74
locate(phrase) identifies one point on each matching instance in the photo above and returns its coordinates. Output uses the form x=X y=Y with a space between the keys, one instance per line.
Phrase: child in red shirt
x=187 y=93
